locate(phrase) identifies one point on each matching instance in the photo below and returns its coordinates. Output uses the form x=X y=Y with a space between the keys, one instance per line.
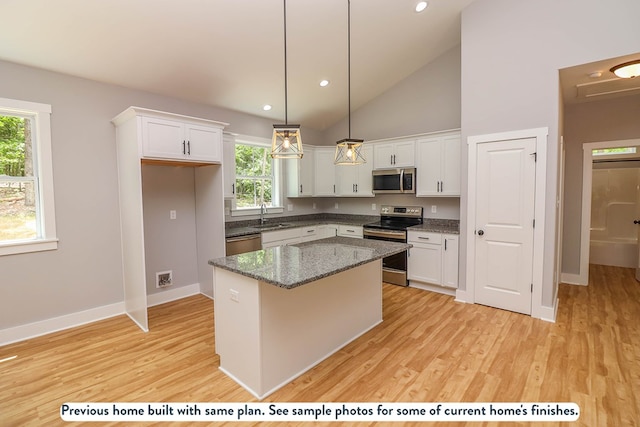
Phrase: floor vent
x=164 y=279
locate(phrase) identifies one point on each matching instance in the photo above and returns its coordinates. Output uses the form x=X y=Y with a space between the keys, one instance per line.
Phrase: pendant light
x=287 y=141
x=628 y=70
x=348 y=150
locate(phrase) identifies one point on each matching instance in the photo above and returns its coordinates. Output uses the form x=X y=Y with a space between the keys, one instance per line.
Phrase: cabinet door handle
x=445 y=244
x=423 y=238
x=189 y=147
x=233 y=188
x=334 y=188
x=356 y=188
x=300 y=188
x=184 y=147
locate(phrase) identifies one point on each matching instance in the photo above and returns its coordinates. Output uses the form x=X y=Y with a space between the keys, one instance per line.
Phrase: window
x=27 y=221
x=614 y=151
x=256 y=178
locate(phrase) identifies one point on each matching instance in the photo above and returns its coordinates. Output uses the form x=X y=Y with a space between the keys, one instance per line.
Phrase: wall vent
x=164 y=279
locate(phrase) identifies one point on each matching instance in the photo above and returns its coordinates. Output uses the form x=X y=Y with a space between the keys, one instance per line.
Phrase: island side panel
x=237 y=328
x=302 y=326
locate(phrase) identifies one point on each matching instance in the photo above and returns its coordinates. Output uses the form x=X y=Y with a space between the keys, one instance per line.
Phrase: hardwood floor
x=429 y=348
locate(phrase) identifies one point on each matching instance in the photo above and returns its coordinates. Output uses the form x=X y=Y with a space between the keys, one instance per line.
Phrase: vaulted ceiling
x=230 y=53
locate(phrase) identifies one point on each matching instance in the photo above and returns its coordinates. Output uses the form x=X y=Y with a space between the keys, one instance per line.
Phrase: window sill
x=29 y=246
x=256 y=211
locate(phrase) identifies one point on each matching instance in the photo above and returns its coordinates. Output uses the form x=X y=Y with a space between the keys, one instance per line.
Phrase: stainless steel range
x=392 y=227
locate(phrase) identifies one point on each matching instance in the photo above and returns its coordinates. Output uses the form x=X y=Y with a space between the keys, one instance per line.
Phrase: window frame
x=276 y=179
x=40 y=114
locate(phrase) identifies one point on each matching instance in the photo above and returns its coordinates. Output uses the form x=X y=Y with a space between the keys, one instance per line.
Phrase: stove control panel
x=402 y=211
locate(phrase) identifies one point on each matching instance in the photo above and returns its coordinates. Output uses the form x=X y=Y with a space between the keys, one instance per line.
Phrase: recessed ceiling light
x=267 y=107
x=324 y=83
x=421 y=6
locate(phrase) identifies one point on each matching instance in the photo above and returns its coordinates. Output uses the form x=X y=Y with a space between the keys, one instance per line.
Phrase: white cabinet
x=433 y=260
x=280 y=237
x=300 y=174
x=450 y=261
x=425 y=257
x=397 y=154
x=356 y=180
x=148 y=136
x=310 y=233
x=229 y=165
x=354 y=231
x=324 y=172
x=183 y=139
x=438 y=165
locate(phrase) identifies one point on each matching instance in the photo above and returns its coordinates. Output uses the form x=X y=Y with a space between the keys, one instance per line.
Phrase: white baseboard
x=572 y=279
x=462 y=296
x=549 y=313
x=169 y=295
x=55 y=324
x=432 y=288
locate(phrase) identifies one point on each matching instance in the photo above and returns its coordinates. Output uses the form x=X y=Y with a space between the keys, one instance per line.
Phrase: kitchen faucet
x=263 y=210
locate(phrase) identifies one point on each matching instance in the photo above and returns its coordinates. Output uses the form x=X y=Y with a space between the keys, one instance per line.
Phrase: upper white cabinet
x=324 y=172
x=300 y=174
x=438 y=165
x=356 y=180
x=397 y=154
x=229 y=165
x=180 y=138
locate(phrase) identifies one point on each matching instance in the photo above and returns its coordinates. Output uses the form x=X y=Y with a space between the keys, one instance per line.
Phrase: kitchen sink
x=278 y=225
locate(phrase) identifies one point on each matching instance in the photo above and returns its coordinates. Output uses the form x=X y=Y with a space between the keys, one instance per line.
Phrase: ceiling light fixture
x=627 y=70
x=267 y=107
x=421 y=6
x=348 y=150
x=324 y=83
x=287 y=141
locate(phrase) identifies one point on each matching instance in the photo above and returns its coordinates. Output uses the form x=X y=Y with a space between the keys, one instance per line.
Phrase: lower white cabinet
x=280 y=237
x=350 y=231
x=433 y=260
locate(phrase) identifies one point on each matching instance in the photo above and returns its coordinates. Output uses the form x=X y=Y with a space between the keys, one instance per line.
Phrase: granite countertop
x=244 y=228
x=448 y=226
x=294 y=265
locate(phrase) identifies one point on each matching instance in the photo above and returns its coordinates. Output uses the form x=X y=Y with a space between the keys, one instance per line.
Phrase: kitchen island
x=280 y=311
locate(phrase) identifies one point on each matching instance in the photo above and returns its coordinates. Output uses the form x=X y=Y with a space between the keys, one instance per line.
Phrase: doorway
x=506 y=210
x=587 y=190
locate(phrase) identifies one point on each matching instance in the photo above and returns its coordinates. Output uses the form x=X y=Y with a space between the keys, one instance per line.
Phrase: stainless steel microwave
x=394 y=181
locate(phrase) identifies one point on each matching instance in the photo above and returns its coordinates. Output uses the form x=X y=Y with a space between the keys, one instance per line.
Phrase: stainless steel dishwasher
x=242 y=244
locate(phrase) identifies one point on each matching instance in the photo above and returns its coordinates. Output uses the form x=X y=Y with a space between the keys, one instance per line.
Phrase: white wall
x=609 y=120
x=511 y=54
x=426 y=101
x=86 y=270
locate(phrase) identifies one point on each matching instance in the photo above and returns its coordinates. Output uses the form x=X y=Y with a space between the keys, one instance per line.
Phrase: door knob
x=480 y=232
x=637 y=221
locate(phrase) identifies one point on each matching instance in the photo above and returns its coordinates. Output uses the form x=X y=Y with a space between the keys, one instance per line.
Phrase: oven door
x=394 y=267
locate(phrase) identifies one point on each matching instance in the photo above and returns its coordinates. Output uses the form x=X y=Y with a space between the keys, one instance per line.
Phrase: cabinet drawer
x=424 y=237
x=350 y=231
x=271 y=236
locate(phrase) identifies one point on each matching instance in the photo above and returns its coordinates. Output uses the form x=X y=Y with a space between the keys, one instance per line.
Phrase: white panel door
x=505 y=202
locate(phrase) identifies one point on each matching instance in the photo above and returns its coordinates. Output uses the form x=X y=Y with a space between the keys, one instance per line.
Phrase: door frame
x=540 y=134
x=587 y=183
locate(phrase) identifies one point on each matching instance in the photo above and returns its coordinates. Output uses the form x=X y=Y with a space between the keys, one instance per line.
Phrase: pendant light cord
x=349 y=61
x=286 y=120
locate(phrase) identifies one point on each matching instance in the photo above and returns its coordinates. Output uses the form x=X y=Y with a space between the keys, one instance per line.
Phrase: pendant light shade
x=348 y=150
x=628 y=70
x=286 y=142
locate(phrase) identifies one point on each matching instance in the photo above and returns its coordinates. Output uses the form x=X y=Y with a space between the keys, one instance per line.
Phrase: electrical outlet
x=336 y=205
x=164 y=279
x=314 y=206
x=373 y=206
x=235 y=295
x=434 y=208
x=172 y=214
x=289 y=208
